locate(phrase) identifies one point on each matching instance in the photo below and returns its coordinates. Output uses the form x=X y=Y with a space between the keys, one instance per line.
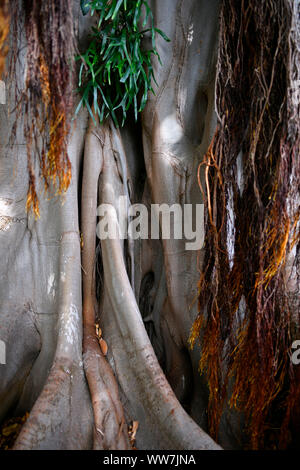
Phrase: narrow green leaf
x=163 y=35
x=117 y=9
x=125 y=76
x=85 y=6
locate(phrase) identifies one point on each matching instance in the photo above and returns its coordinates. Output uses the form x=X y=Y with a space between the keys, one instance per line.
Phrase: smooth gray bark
x=41 y=274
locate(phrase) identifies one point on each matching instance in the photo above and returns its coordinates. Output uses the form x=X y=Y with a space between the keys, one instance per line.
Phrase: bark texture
x=57 y=279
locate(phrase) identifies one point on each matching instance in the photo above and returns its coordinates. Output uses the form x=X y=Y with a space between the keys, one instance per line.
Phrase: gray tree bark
x=77 y=398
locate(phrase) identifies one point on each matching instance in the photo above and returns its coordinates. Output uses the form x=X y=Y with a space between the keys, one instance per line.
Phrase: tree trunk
x=58 y=279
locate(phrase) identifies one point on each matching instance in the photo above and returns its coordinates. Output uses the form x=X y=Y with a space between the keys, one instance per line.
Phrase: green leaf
x=78 y=107
x=137 y=14
x=148 y=14
x=110 y=12
x=123 y=41
x=135 y=108
x=103 y=97
x=126 y=75
x=103 y=42
x=117 y=9
x=85 y=6
x=163 y=35
x=80 y=74
x=116 y=71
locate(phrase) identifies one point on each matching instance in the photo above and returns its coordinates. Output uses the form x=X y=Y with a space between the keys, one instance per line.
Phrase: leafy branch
x=116 y=71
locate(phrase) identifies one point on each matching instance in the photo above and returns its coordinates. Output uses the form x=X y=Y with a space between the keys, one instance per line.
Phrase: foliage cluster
x=116 y=70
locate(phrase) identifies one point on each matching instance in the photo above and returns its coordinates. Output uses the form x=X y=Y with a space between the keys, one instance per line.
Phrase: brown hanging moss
x=4 y=30
x=45 y=103
x=247 y=314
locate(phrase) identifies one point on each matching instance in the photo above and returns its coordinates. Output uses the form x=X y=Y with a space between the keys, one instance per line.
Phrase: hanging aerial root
x=4 y=30
x=250 y=177
x=45 y=101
